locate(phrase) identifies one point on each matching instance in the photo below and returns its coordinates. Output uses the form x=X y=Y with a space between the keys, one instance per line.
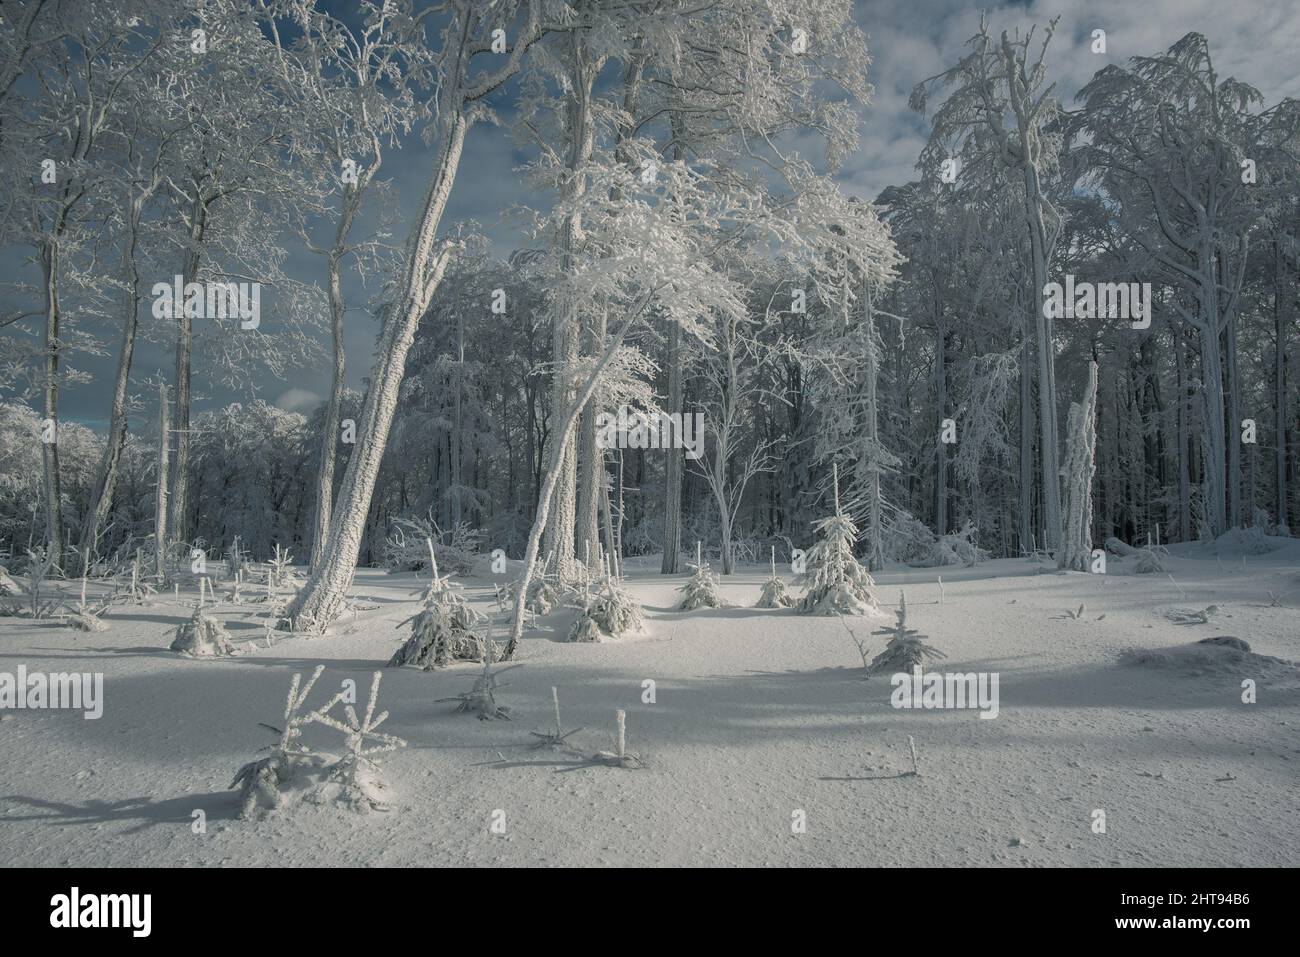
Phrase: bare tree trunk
x=1184 y=440
x=875 y=533
x=562 y=533
x=176 y=525
x=1235 y=517
x=333 y=416
x=1279 y=378
x=160 y=496
x=1026 y=440
x=673 y=462
x=591 y=463
x=52 y=480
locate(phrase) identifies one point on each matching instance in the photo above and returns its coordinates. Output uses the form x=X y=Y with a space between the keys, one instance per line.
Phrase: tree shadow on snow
x=147 y=812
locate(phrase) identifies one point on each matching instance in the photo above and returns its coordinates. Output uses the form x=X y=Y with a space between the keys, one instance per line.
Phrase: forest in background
x=692 y=260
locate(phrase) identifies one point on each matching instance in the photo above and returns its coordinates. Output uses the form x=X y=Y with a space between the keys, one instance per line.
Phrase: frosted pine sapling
x=203 y=637
x=701 y=589
x=611 y=612
x=262 y=782
x=837 y=583
x=774 y=594
x=906 y=649
x=620 y=757
x=357 y=772
x=444 y=630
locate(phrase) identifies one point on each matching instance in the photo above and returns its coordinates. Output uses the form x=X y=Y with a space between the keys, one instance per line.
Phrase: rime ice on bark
x=1080 y=463
x=906 y=649
x=837 y=583
x=611 y=613
x=444 y=630
x=774 y=593
x=203 y=637
x=701 y=589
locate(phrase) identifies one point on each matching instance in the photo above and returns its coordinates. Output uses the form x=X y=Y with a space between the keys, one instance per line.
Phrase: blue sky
x=909 y=40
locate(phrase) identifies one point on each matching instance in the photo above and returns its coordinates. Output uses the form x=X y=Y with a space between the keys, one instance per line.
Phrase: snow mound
x=1220 y=655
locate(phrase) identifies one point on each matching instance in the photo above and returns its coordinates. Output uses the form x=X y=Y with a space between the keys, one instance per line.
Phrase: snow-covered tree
x=836 y=583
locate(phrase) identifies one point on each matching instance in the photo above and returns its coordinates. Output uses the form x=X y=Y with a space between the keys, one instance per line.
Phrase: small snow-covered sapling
x=774 y=593
x=481 y=699
x=836 y=583
x=701 y=589
x=906 y=649
x=357 y=770
x=557 y=738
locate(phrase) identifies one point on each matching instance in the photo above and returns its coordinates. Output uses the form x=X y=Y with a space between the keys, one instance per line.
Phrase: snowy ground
x=757 y=714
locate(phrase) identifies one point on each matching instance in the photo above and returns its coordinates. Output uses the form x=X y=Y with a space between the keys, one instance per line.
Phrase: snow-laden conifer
x=701 y=589
x=774 y=594
x=609 y=612
x=445 y=629
x=203 y=637
x=836 y=582
x=906 y=649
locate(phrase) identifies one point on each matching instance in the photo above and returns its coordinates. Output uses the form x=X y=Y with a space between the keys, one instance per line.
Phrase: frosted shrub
x=456 y=550
x=958 y=548
x=481 y=699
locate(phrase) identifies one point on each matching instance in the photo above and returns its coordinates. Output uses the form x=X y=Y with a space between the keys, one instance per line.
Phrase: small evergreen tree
x=837 y=583
x=444 y=630
x=906 y=649
x=701 y=589
x=774 y=593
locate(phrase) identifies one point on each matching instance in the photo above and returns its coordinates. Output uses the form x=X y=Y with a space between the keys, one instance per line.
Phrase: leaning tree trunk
x=334 y=409
x=320 y=600
x=563 y=438
x=1080 y=463
x=101 y=496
